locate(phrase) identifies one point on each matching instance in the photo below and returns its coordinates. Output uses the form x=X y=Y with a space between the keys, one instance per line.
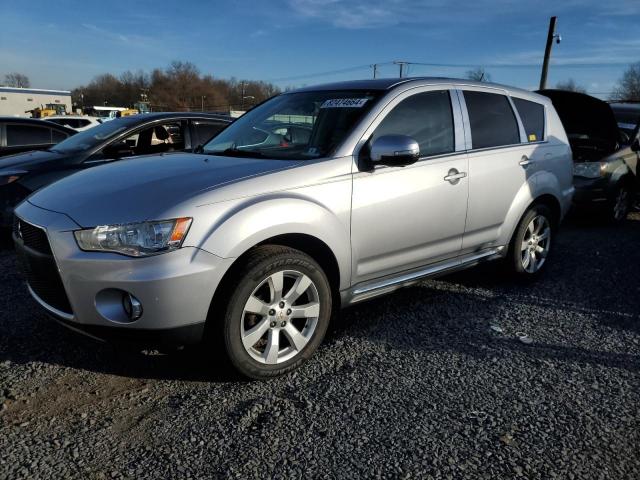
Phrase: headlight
x=135 y=239
x=589 y=169
x=7 y=177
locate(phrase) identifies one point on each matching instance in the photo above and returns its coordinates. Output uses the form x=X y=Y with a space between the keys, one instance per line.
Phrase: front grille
x=32 y=236
x=39 y=265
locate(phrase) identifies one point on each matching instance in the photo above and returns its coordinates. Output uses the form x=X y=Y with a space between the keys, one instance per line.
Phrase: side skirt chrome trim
x=389 y=284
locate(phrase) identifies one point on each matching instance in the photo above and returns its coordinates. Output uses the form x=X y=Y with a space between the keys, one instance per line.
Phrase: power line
x=320 y=74
x=521 y=65
x=449 y=65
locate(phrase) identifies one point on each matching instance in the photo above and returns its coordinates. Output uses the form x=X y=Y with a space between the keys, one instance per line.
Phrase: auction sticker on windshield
x=344 y=103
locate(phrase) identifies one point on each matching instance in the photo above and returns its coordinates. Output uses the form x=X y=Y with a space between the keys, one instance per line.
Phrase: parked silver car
x=321 y=197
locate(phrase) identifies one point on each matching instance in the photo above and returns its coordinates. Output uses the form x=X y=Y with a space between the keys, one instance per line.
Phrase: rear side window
x=206 y=131
x=427 y=118
x=532 y=116
x=493 y=123
x=21 y=135
x=57 y=136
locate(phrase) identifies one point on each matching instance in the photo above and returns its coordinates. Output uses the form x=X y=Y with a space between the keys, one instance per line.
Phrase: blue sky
x=64 y=43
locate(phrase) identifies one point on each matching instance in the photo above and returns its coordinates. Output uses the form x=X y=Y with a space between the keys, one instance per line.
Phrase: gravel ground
x=415 y=384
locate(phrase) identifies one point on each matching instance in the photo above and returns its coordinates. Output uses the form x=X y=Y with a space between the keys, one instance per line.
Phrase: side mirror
x=117 y=150
x=394 y=150
x=635 y=146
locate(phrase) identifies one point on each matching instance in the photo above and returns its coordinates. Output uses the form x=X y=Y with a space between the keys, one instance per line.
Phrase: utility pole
x=547 y=51
x=402 y=65
x=242 y=100
x=375 y=70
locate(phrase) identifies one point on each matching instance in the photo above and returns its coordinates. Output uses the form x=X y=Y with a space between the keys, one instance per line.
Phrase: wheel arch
x=308 y=244
x=289 y=221
x=528 y=196
x=552 y=203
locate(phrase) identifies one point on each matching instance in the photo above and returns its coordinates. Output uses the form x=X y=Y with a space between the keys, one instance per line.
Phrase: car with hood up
x=318 y=198
x=152 y=133
x=605 y=156
x=628 y=118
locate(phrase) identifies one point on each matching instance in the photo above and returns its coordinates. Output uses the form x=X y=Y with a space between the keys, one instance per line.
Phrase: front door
x=406 y=217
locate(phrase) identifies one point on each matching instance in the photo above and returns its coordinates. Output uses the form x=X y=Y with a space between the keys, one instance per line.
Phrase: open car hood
x=589 y=122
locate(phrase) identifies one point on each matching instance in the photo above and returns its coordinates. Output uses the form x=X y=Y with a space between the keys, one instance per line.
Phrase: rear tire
x=532 y=242
x=277 y=313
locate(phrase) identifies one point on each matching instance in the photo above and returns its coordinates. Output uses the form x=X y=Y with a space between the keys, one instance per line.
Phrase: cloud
x=131 y=40
x=361 y=14
x=357 y=14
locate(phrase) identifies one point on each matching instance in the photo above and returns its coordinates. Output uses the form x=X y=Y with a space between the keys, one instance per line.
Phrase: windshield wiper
x=236 y=152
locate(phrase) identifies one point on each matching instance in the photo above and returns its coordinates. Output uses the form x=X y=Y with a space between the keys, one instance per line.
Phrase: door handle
x=454 y=176
x=525 y=162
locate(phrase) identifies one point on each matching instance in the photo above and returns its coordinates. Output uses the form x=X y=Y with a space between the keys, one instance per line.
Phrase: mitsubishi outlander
x=318 y=198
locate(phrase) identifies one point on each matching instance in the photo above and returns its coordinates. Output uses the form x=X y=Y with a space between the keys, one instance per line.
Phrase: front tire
x=532 y=242
x=277 y=313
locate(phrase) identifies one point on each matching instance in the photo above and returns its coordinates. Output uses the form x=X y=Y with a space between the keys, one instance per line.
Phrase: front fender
x=251 y=221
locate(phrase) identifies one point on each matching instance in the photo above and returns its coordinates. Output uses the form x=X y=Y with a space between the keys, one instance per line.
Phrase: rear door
x=500 y=164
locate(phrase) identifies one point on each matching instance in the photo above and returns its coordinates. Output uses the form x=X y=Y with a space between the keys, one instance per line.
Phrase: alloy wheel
x=535 y=244
x=280 y=317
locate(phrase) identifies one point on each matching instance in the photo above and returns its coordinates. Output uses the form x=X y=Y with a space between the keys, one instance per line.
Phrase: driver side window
x=155 y=139
x=427 y=118
x=160 y=138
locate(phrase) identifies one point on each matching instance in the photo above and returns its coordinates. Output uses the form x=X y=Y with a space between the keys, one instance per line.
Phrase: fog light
x=132 y=306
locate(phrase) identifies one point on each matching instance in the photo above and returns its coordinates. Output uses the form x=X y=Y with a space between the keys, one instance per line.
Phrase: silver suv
x=318 y=198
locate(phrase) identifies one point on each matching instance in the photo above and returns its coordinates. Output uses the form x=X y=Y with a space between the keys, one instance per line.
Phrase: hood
x=29 y=160
x=142 y=188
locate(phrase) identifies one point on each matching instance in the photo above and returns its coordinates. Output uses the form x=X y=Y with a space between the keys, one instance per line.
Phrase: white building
x=16 y=102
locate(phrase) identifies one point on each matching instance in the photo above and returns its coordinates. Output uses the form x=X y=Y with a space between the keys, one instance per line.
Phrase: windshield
x=294 y=126
x=91 y=138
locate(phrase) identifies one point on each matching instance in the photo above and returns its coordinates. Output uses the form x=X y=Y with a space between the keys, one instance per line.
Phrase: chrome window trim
x=501 y=147
x=516 y=114
x=465 y=120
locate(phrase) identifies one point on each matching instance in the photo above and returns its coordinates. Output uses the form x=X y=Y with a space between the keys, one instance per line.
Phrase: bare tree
x=570 y=86
x=180 y=86
x=628 y=87
x=478 y=74
x=16 y=80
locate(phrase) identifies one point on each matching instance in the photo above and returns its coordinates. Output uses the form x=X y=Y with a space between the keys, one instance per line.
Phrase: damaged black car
x=605 y=158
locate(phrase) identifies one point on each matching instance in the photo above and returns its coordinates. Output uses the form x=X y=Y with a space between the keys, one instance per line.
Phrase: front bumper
x=175 y=288
x=592 y=190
